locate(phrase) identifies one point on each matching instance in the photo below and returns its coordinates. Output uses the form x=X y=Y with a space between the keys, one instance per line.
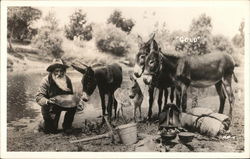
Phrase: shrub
x=116 y=18
x=221 y=43
x=50 y=43
x=49 y=38
x=238 y=41
x=112 y=40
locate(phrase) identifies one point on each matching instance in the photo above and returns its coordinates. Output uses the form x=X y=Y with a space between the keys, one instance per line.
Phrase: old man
x=55 y=83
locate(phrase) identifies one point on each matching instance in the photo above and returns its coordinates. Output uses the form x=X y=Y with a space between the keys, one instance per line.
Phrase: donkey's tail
x=235 y=78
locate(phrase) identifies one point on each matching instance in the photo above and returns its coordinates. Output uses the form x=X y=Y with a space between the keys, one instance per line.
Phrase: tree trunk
x=10 y=48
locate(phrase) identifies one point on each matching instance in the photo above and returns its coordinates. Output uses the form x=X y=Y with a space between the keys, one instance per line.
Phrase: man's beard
x=61 y=82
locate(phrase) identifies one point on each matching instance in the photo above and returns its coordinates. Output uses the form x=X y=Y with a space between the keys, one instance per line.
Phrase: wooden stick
x=107 y=135
x=111 y=129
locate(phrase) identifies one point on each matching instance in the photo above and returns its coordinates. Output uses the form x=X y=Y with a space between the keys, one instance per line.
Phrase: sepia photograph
x=169 y=78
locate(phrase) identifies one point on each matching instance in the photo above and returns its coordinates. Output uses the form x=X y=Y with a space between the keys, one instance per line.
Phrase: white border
x=5 y=154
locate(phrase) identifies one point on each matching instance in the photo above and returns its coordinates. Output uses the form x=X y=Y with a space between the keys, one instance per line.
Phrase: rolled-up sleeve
x=42 y=94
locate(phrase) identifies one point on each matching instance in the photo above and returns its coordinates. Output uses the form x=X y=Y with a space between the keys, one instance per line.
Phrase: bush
x=50 y=43
x=221 y=43
x=112 y=40
x=238 y=41
x=116 y=18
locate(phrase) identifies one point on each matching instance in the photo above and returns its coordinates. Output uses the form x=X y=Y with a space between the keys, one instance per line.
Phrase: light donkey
x=135 y=98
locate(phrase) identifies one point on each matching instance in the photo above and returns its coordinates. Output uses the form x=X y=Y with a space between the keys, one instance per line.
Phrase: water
x=21 y=90
x=22 y=87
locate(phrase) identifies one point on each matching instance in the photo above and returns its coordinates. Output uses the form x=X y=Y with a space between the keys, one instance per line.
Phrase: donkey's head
x=135 y=88
x=153 y=64
x=144 y=50
x=88 y=80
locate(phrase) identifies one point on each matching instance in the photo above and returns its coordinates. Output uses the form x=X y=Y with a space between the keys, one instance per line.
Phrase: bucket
x=127 y=133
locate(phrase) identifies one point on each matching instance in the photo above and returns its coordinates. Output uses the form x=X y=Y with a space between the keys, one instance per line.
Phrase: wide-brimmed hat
x=55 y=64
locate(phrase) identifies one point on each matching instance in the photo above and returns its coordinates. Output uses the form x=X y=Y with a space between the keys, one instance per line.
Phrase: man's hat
x=55 y=64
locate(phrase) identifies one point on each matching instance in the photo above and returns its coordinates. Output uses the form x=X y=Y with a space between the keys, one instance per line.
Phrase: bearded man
x=55 y=83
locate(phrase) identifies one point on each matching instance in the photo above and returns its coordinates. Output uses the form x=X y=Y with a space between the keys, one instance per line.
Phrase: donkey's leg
x=115 y=106
x=183 y=99
x=221 y=93
x=178 y=97
x=102 y=95
x=118 y=110
x=151 y=100
x=109 y=106
x=171 y=94
x=166 y=96
x=160 y=100
x=140 y=110
x=228 y=87
x=135 y=107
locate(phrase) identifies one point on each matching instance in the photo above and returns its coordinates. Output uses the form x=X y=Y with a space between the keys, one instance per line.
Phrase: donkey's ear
x=153 y=36
x=152 y=47
x=140 y=41
x=81 y=70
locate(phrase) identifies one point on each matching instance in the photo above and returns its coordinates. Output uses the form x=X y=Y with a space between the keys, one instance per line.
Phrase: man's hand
x=51 y=101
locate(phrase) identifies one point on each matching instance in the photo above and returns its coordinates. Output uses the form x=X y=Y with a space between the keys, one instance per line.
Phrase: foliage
x=201 y=28
x=20 y=20
x=177 y=43
x=78 y=26
x=162 y=35
x=116 y=18
x=197 y=41
x=50 y=22
x=239 y=39
x=222 y=43
x=112 y=40
x=48 y=38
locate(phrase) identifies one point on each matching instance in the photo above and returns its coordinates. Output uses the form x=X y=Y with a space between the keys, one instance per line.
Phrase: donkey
x=133 y=96
x=162 y=81
x=107 y=78
x=197 y=71
x=136 y=96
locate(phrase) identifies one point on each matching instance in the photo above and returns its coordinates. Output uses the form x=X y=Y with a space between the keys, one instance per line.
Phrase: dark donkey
x=196 y=71
x=162 y=81
x=107 y=78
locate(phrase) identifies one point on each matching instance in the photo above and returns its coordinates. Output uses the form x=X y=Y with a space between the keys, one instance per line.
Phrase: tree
x=176 y=40
x=222 y=43
x=239 y=39
x=116 y=18
x=78 y=26
x=201 y=29
x=19 y=23
x=49 y=38
x=50 y=22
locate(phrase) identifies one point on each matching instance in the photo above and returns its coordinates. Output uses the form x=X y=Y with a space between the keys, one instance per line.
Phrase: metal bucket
x=127 y=133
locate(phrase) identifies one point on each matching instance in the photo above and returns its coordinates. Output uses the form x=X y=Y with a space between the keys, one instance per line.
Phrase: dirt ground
x=23 y=134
